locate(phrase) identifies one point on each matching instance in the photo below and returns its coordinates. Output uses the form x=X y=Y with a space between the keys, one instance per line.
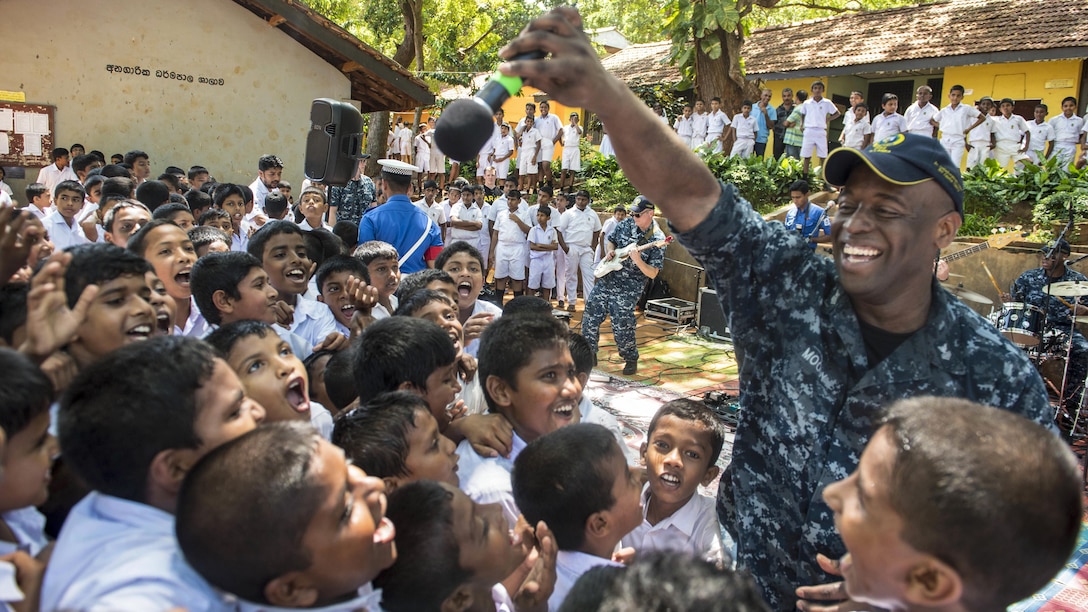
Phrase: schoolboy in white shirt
x=1067 y=131
x=542 y=247
x=919 y=114
x=859 y=133
x=955 y=121
x=1009 y=132
x=889 y=122
x=1042 y=135
x=717 y=121
x=744 y=126
x=683 y=126
x=61 y=223
x=817 y=111
x=699 y=122
x=980 y=140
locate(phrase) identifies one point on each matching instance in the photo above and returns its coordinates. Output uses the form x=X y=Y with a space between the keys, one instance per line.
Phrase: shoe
x=630 y=367
x=571 y=307
x=562 y=305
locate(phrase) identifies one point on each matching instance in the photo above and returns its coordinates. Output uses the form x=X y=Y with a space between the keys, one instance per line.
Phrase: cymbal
x=968 y=295
x=1069 y=288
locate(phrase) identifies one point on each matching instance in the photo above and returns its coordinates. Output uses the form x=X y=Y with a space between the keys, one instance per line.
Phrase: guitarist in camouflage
x=616 y=294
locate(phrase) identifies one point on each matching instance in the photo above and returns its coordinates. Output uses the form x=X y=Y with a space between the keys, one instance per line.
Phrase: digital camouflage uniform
x=1030 y=288
x=616 y=294
x=352 y=200
x=809 y=397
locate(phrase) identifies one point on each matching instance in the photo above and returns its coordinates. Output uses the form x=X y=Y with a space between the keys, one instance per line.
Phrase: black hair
x=508 y=343
x=375 y=249
x=69 y=186
x=12 y=310
x=563 y=478
x=544 y=210
x=582 y=353
x=118 y=186
x=198 y=200
x=132 y=156
x=697 y=413
x=746 y=103
x=240 y=521
x=99 y=154
x=399 y=350
x=527 y=305
x=888 y=97
x=97 y=264
x=177 y=198
x=124 y=204
x=958 y=88
x=170 y=181
x=310 y=363
x=225 y=190
x=91 y=181
x=459 y=246
x=167 y=211
x=25 y=392
x=348 y=233
x=195 y=171
x=224 y=338
x=80 y=163
x=694 y=585
x=547 y=189
x=419 y=280
x=204 y=235
x=117 y=171
x=261 y=237
x=420 y=299
x=429 y=184
x=341 y=263
x=799 y=185
x=268 y=162
x=35 y=190
x=219 y=272
x=174 y=171
x=340 y=378
x=275 y=205
x=124 y=409
x=862 y=106
x=322 y=244
x=137 y=243
x=375 y=436
x=1043 y=106
x=427 y=570
x=213 y=213
x=59 y=152
x=153 y=194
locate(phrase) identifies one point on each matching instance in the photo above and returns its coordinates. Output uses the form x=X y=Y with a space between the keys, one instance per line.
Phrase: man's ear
x=598 y=524
x=459 y=600
x=711 y=473
x=223 y=302
x=947 y=226
x=499 y=390
x=291 y=590
x=933 y=583
x=168 y=469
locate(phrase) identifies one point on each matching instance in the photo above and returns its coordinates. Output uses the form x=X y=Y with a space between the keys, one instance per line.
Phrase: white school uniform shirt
x=379 y=311
x=503 y=146
x=473 y=348
x=1041 y=133
x=746 y=126
x=578 y=226
x=28 y=526
x=305 y=226
x=313 y=320
x=529 y=138
x=39 y=213
x=1066 y=129
x=693 y=529
x=460 y=212
x=541 y=235
x=683 y=126
x=569 y=567
x=4 y=187
x=1011 y=129
x=196 y=325
x=367 y=599
x=115 y=554
x=699 y=124
x=321 y=419
x=848 y=118
x=918 y=119
x=980 y=136
x=486 y=480
x=953 y=121
x=816 y=114
x=571 y=135
x=548 y=127
x=885 y=125
x=600 y=416
x=507 y=230
x=62 y=234
x=51 y=176
x=716 y=123
x=854 y=134
x=5 y=199
x=239 y=242
x=434 y=211
x=260 y=192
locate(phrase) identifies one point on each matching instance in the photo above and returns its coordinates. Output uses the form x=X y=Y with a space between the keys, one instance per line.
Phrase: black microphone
x=466 y=125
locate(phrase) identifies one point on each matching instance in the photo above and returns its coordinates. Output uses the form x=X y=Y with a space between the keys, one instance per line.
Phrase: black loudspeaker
x=710 y=315
x=334 y=143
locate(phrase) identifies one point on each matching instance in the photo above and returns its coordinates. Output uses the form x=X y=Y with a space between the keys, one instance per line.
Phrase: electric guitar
x=607 y=267
x=997 y=241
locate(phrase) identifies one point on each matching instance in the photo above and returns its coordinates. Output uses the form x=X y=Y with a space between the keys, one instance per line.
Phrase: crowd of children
x=209 y=406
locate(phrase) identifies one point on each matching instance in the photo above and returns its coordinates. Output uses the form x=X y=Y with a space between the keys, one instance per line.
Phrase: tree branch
x=821 y=7
x=462 y=53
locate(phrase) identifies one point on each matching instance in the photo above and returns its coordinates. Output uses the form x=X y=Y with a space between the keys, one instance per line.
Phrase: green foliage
x=1056 y=206
x=976 y=224
x=1048 y=187
x=606 y=182
x=982 y=199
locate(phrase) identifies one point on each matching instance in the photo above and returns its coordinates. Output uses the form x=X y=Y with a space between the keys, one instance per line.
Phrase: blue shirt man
x=805 y=218
x=766 y=116
x=418 y=240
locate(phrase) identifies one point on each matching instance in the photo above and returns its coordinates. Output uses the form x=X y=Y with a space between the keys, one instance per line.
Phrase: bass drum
x=1052 y=369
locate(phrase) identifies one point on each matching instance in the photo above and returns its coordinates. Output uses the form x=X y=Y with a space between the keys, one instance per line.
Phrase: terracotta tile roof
x=942 y=33
x=643 y=63
x=377 y=82
x=934 y=35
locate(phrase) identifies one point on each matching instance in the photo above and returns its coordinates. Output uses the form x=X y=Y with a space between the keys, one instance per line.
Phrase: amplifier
x=711 y=316
x=671 y=310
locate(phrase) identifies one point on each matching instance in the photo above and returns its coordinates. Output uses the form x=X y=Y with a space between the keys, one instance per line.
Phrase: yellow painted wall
x=263 y=105
x=1020 y=80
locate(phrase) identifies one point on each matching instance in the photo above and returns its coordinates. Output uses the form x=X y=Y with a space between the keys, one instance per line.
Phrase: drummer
x=1036 y=287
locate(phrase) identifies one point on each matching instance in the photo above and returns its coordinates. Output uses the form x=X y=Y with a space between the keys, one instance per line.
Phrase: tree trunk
x=723 y=77
x=377 y=137
x=404 y=55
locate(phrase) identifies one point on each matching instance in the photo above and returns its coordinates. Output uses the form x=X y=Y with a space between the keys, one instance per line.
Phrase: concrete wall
x=60 y=53
x=1050 y=81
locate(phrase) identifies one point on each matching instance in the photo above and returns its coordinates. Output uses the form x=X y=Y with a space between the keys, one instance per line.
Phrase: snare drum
x=1021 y=323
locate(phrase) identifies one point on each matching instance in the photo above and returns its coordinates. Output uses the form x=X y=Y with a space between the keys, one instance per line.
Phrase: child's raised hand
x=362 y=295
x=539 y=583
x=61 y=369
x=285 y=313
x=476 y=324
x=50 y=324
x=624 y=555
x=456 y=410
x=333 y=342
x=28 y=576
x=14 y=246
x=466 y=366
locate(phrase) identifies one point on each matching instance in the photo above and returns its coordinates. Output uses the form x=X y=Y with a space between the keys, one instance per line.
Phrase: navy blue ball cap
x=902 y=159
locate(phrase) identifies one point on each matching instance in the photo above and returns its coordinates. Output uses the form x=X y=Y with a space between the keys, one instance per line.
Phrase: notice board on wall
x=26 y=134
